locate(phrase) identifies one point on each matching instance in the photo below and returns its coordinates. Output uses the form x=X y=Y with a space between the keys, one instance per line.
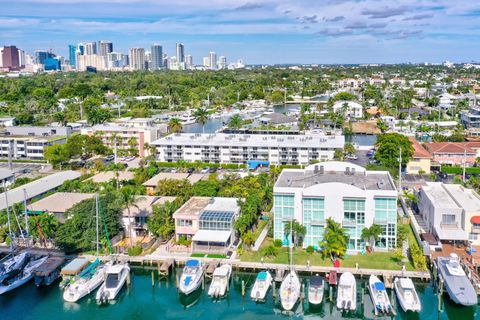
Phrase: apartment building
x=241 y=148
x=347 y=193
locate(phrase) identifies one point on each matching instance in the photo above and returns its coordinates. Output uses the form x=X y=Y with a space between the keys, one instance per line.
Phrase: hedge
x=459 y=170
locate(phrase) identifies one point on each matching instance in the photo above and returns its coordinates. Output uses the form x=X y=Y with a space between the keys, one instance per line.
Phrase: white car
x=205 y=170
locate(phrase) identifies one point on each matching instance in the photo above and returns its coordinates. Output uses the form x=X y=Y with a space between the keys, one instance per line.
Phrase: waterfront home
x=208 y=222
x=58 y=203
x=421 y=160
x=471 y=118
x=152 y=183
x=240 y=148
x=350 y=109
x=454 y=153
x=347 y=193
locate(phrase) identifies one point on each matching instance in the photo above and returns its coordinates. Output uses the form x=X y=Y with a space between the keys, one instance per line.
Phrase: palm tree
x=201 y=116
x=174 y=125
x=235 y=122
x=334 y=242
x=371 y=235
x=130 y=199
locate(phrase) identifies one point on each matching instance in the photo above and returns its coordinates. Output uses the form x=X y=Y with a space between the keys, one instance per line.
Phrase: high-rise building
x=81 y=49
x=188 y=61
x=21 y=58
x=41 y=55
x=52 y=64
x=1 y=57
x=116 y=60
x=180 y=53
x=206 y=62
x=137 y=58
x=90 y=48
x=213 y=60
x=10 y=58
x=222 y=62
x=157 y=56
x=72 y=55
x=105 y=47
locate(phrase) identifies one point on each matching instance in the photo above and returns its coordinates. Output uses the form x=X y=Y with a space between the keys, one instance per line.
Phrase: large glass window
x=313 y=220
x=448 y=219
x=283 y=209
x=216 y=220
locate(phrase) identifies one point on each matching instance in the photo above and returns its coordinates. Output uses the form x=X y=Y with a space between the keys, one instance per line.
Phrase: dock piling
x=330 y=293
x=153 y=279
x=440 y=293
x=243 y=288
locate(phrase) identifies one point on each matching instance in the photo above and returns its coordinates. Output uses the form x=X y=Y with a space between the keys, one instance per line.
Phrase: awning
x=451 y=234
x=212 y=236
x=475 y=220
x=253 y=164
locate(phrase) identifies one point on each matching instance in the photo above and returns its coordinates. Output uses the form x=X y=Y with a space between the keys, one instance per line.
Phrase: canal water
x=162 y=301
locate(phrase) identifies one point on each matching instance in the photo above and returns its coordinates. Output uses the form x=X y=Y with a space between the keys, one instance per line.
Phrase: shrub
x=270 y=251
x=417 y=257
x=277 y=243
x=184 y=242
x=135 y=251
x=239 y=252
x=310 y=249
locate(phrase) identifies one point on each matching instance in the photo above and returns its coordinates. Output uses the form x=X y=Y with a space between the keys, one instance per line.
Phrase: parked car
x=110 y=157
x=205 y=170
x=190 y=170
x=351 y=156
x=173 y=170
x=213 y=170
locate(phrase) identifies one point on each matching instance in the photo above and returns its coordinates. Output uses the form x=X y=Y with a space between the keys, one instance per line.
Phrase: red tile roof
x=420 y=151
x=453 y=147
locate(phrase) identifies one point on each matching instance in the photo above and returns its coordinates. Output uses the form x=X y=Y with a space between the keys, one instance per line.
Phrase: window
x=184 y=223
x=448 y=219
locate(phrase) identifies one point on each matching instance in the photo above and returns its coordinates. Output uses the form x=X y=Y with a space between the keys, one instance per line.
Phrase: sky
x=258 y=31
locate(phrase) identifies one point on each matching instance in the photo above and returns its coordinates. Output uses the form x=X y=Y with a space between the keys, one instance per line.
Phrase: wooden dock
x=279 y=274
x=165 y=267
x=210 y=268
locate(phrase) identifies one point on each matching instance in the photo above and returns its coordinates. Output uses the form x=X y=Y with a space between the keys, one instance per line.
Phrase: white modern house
x=241 y=148
x=347 y=193
x=350 y=109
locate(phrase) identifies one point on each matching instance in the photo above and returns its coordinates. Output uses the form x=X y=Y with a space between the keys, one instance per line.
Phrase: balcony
x=450 y=225
x=349 y=222
x=317 y=222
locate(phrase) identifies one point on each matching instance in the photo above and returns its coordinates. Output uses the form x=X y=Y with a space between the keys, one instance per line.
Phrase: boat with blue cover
x=379 y=296
x=261 y=286
x=192 y=276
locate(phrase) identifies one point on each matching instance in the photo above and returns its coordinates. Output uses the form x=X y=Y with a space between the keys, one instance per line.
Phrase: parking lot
x=362 y=160
x=28 y=170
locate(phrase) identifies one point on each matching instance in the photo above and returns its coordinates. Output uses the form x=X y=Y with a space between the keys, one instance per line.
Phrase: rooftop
x=468 y=199
x=439 y=196
x=247 y=140
x=419 y=150
x=453 y=147
x=5 y=173
x=59 y=202
x=144 y=204
x=196 y=205
x=193 y=178
x=109 y=175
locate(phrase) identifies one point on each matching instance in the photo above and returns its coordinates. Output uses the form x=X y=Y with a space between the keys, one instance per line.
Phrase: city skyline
x=333 y=31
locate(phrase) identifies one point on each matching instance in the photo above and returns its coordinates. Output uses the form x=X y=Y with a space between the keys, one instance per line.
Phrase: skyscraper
x=157 y=56
x=90 y=48
x=206 y=62
x=222 y=62
x=72 y=55
x=105 y=47
x=137 y=58
x=41 y=55
x=213 y=60
x=188 y=61
x=10 y=58
x=81 y=49
x=180 y=53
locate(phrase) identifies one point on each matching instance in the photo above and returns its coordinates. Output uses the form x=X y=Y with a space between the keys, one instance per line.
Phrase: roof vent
x=315 y=169
x=347 y=170
x=353 y=171
x=289 y=183
x=211 y=200
x=322 y=169
x=380 y=184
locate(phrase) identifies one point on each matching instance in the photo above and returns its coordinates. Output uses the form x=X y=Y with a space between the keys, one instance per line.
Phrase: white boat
x=379 y=296
x=290 y=287
x=187 y=118
x=347 y=292
x=220 y=280
x=261 y=286
x=74 y=269
x=85 y=285
x=457 y=284
x=13 y=265
x=23 y=277
x=407 y=295
x=316 y=289
x=192 y=276
x=115 y=277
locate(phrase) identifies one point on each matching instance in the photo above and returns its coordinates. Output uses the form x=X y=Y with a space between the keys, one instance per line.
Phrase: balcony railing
x=349 y=222
x=449 y=225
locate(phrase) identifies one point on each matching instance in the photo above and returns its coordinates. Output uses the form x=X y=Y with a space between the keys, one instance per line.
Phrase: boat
x=290 y=287
x=347 y=292
x=72 y=270
x=220 y=281
x=192 y=276
x=379 y=296
x=407 y=295
x=187 y=118
x=23 y=277
x=13 y=265
x=316 y=289
x=115 y=277
x=457 y=284
x=48 y=272
x=86 y=284
x=261 y=286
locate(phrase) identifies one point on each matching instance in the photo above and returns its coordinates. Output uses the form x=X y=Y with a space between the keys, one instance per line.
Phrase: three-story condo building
x=352 y=196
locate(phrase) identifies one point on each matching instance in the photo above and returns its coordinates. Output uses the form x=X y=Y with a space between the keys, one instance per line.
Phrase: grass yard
x=209 y=255
x=376 y=260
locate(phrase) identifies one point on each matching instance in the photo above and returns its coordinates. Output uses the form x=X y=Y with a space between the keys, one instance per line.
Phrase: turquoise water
x=162 y=301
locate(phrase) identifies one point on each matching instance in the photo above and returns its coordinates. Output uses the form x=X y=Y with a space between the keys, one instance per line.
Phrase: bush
x=277 y=243
x=239 y=252
x=310 y=250
x=135 y=251
x=184 y=242
x=417 y=257
x=459 y=170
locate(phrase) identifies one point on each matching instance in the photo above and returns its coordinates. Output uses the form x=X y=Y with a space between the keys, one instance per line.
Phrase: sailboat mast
x=291 y=243
x=26 y=214
x=96 y=216
x=8 y=217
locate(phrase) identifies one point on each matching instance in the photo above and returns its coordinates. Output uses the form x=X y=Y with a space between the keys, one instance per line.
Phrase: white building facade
x=345 y=192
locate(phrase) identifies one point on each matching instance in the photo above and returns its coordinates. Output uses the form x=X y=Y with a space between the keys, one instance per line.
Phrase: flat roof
x=193 y=178
x=316 y=140
x=144 y=206
x=109 y=175
x=5 y=173
x=60 y=201
x=451 y=234
x=212 y=236
x=196 y=205
x=192 y=207
x=438 y=195
x=468 y=199
x=37 y=187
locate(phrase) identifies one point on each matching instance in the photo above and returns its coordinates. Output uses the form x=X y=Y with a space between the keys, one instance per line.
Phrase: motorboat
x=407 y=295
x=379 y=296
x=457 y=284
x=192 y=276
x=316 y=290
x=290 y=290
x=220 y=281
x=187 y=118
x=115 y=277
x=347 y=292
x=261 y=286
x=23 y=277
x=48 y=272
x=73 y=269
x=13 y=265
x=86 y=284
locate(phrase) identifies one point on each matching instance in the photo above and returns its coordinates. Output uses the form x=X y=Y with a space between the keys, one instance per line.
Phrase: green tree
x=248 y=238
x=175 y=125
x=299 y=232
x=235 y=122
x=334 y=243
x=277 y=97
x=173 y=187
x=130 y=198
x=56 y=154
x=371 y=235
x=349 y=148
x=161 y=223
x=201 y=117
x=270 y=251
x=388 y=149
x=382 y=126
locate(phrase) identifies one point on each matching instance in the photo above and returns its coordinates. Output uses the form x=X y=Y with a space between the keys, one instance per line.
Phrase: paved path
x=260 y=238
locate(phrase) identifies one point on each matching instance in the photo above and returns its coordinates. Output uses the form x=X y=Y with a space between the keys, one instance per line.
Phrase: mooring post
x=153 y=279
x=330 y=288
x=363 y=296
x=440 y=292
x=128 y=279
x=243 y=288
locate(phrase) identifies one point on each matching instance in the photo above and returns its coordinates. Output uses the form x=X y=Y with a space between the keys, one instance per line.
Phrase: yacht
x=457 y=284
x=220 y=280
x=261 y=286
x=187 y=118
x=13 y=265
x=290 y=287
x=407 y=295
x=85 y=285
x=23 y=277
x=347 y=292
x=74 y=269
x=316 y=290
x=115 y=277
x=192 y=276
x=379 y=296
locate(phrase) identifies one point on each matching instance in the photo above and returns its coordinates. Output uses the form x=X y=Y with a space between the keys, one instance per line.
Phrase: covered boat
x=220 y=280
x=192 y=276
x=457 y=284
x=48 y=272
x=347 y=292
x=407 y=295
x=316 y=289
x=261 y=286
x=115 y=277
x=72 y=269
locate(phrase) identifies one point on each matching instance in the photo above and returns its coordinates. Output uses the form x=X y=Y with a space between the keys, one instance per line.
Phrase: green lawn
x=210 y=255
x=376 y=260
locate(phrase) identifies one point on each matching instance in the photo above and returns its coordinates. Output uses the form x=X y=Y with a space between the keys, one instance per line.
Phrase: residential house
x=421 y=160
x=58 y=203
x=350 y=109
x=152 y=183
x=454 y=153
